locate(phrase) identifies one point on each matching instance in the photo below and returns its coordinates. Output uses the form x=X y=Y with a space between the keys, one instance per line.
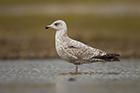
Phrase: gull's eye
x=56 y=24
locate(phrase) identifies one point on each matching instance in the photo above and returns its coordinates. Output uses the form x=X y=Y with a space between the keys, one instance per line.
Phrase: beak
x=47 y=27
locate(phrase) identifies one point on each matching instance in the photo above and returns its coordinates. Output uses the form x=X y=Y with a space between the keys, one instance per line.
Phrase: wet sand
x=55 y=76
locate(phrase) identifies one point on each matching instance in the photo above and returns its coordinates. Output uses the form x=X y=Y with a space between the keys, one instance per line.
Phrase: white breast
x=60 y=43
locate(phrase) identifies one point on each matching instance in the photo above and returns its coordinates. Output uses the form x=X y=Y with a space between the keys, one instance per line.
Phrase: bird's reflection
x=78 y=73
x=89 y=73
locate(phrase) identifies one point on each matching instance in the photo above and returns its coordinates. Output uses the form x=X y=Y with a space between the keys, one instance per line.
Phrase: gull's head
x=57 y=25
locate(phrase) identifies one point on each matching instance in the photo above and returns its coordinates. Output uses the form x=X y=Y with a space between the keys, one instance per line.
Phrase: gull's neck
x=60 y=38
x=61 y=34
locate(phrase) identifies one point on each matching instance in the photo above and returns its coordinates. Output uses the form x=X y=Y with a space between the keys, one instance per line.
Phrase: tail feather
x=108 y=57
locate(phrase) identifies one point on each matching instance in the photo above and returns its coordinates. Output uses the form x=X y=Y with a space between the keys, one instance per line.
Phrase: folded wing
x=86 y=53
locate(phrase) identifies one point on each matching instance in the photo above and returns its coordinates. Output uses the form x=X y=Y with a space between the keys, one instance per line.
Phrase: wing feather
x=82 y=51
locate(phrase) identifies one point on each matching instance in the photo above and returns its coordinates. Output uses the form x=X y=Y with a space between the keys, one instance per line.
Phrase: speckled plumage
x=74 y=51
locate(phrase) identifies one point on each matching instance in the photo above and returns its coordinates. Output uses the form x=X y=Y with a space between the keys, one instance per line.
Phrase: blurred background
x=111 y=25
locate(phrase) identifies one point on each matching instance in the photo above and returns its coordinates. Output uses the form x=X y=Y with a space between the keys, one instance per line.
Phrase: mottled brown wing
x=82 y=51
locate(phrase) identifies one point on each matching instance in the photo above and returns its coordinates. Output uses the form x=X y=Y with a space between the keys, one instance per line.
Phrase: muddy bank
x=42 y=48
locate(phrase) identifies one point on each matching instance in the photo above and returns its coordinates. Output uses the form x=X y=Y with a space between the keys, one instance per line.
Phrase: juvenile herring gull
x=77 y=52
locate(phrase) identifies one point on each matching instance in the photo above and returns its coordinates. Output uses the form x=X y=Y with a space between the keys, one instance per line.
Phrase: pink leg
x=76 y=69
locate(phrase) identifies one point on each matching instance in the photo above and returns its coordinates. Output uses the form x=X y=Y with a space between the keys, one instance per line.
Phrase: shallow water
x=53 y=76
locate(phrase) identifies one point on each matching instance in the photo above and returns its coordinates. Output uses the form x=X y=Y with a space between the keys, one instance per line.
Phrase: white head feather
x=58 y=25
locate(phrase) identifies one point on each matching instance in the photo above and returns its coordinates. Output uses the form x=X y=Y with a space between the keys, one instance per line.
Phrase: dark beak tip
x=46 y=27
